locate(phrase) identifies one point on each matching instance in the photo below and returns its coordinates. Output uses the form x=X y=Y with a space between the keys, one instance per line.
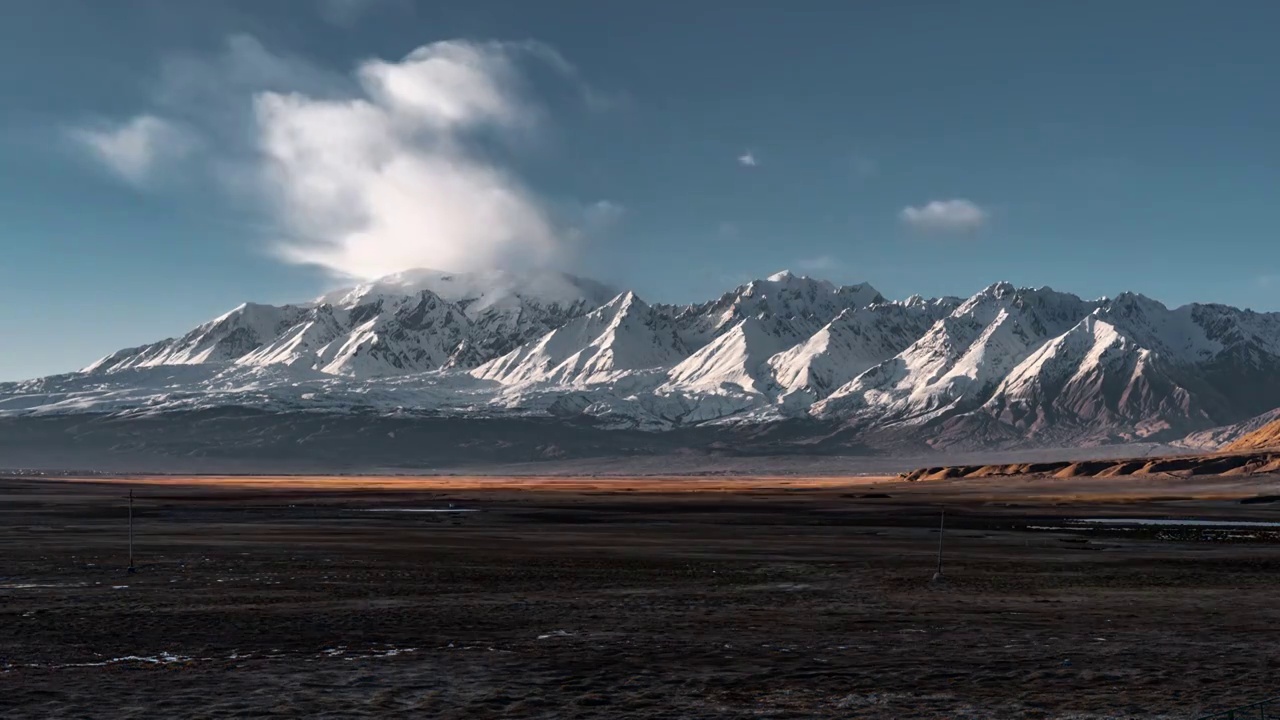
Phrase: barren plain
x=638 y=597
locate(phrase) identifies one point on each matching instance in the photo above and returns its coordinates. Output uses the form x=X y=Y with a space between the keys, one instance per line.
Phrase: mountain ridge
x=1005 y=368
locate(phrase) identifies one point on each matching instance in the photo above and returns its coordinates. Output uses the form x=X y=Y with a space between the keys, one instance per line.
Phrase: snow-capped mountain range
x=1007 y=367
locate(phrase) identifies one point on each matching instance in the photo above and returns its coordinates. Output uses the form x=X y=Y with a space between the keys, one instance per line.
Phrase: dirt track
x=632 y=600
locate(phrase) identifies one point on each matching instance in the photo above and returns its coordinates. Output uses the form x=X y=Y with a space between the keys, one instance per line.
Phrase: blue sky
x=163 y=162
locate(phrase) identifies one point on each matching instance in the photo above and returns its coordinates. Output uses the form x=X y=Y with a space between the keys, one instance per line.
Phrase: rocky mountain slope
x=1240 y=464
x=1266 y=437
x=1004 y=369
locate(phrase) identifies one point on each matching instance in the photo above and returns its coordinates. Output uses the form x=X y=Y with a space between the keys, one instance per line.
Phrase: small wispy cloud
x=604 y=214
x=821 y=263
x=946 y=215
x=748 y=159
x=728 y=229
x=583 y=224
x=136 y=148
x=222 y=85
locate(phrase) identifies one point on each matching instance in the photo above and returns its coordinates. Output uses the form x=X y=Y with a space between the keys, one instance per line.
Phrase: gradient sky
x=676 y=148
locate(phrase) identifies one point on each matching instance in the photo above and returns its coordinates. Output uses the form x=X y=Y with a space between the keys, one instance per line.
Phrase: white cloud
x=199 y=85
x=821 y=263
x=588 y=223
x=446 y=86
x=136 y=148
x=946 y=215
x=748 y=159
x=386 y=180
x=395 y=165
x=603 y=214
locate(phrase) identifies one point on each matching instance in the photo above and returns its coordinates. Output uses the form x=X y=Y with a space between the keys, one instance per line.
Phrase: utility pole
x=131 y=568
x=942 y=529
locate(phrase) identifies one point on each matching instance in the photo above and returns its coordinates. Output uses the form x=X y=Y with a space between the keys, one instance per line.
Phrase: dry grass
x=664 y=485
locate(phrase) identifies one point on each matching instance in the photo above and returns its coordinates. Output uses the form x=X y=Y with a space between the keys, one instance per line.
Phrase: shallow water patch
x=421 y=510
x=1172 y=522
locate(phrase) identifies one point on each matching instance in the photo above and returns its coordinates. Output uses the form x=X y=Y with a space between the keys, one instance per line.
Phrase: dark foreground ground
x=631 y=600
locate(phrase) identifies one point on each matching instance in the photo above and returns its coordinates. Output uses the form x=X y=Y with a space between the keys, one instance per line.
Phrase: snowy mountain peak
x=479 y=291
x=734 y=362
x=625 y=300
x=624 y=334
x=1175 y=334
x=222 y=339
x=792 y=305
x=786 y=282
x=1094 y=374
x=999 y=289
x=856 y=340
x=1134 y=304
x=955 y=364
x=408 y=322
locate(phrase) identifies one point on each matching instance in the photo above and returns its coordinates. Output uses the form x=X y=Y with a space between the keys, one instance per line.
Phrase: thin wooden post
x=942 y=529
x=131 y=569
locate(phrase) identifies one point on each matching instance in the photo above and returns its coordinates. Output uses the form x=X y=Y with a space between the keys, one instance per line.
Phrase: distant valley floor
x=237 y=440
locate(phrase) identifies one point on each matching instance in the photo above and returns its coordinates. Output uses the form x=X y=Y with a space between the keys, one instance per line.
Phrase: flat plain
x=701 y=597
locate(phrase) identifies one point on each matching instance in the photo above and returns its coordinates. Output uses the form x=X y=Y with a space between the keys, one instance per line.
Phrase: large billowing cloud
x=388 y=180
x=395 y=166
